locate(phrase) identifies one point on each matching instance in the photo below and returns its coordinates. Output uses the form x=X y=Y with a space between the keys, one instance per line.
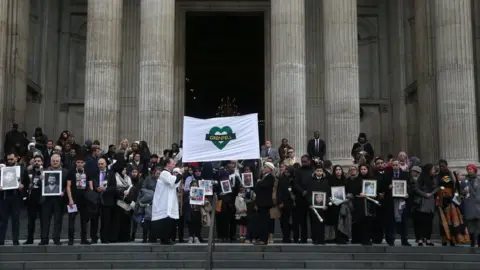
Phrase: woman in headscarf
x=470 y=188
x=452 y=228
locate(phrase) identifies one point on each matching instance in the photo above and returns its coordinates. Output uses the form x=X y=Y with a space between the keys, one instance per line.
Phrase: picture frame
x=369 y=187
x=247 y=180
x=319 y=199
x=10 y=178
x=226 y=186
x=52 y=183
x=399 y=189
x=197 y=196
x=207 y=185
x=338 y=193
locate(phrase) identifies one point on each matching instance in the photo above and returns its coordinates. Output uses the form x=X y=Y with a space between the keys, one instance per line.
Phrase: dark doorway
x=224 y=59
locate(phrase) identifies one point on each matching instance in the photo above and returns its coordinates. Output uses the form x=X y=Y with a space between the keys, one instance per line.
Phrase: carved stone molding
x=383 y=108
x=63 y=107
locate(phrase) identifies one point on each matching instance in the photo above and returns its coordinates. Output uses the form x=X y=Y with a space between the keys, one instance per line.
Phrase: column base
x=345 y=163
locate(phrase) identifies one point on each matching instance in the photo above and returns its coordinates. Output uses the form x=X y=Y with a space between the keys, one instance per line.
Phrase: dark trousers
x=134 y=226
x=10 y=208
x=107 y=223
x=285 y=224
x=364 y=227
x=195 y=224
x=52 y=207
x=178 y=228
x=252 y=221
x=34 y=210
x=378 y=227
x=263 y=221
x=317 y=228
x=83 y=211
x=94 y=222
x=423 y=224
x=226 y=224
x=299 y=216
x=120 y=228
x=392 y=227
x=163 y=229
x=147 y=231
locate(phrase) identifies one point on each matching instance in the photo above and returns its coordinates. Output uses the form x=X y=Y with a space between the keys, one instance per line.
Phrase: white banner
x=223 y=138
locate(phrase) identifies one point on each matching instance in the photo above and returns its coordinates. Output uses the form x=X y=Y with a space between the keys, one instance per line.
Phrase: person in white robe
x=165 y=202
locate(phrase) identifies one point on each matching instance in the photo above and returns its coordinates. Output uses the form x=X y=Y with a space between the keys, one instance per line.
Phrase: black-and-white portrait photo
x=9 y=179
x=52 y=183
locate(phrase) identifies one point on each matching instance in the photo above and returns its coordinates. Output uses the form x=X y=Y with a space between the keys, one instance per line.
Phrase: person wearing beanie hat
x=470 y=188
x=264 y=201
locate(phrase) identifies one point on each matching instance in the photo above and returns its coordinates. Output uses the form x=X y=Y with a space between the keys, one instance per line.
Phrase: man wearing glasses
x=290 y=160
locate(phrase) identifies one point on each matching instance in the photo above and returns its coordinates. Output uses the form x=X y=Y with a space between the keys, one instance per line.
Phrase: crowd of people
x=126 y=187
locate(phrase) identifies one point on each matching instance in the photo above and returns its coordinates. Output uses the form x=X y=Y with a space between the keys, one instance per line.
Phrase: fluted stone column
x=425 y=74
x=288 y=96
x=342 y=105
x=103 y=69
x=3 y=55
x=457 y=116
x=156 y=106
x=314 y=73
x=130 y=71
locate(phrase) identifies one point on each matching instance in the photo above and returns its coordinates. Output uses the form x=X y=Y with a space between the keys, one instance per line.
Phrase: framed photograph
x=207 y=185
x=226 y=187
x=338 y=193
x=319 y=199
x=197 y=196
x=10 y=178
x=399 y=188
x=52 y=183
x=247 y=180
x=369 y=188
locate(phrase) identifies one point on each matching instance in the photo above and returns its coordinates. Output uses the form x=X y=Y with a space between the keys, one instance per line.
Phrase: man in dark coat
x=264 y=201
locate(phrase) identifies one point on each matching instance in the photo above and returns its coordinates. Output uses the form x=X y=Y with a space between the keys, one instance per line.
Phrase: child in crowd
x=194 y=219
x=251 y=216
x=241 y=213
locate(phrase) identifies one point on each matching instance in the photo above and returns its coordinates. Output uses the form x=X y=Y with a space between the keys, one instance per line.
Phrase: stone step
x=268 y=256
x=245 y=248
x=244 y=264
x=204 y=232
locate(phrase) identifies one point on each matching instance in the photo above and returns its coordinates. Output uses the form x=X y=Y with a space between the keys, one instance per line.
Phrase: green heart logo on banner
x=220 y=137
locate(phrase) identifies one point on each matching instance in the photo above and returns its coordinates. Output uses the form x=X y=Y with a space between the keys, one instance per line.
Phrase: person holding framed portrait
x=337 y=182
x=317 y=194
x=11 y=199
x=396 y=210
x=53 y=188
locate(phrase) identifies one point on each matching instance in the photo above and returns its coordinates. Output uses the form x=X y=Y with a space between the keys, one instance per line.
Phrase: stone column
x=457 y=116
x=427 y=105
x=103 y=69
x=288 y=96
x=130 y=71
x=18 y=29
x=314 y=62
x=342 y=104
x=156 y=97
x=3 y=56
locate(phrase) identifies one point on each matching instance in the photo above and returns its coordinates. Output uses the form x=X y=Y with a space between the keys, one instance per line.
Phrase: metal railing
x=211 y=232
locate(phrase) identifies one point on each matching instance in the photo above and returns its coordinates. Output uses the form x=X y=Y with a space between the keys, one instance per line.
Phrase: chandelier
x=227 y=107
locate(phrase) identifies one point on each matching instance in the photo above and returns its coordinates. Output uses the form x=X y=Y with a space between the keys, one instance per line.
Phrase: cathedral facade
x=405 y=72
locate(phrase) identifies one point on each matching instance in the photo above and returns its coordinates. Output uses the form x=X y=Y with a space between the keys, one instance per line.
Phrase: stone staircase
x=237 y=256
